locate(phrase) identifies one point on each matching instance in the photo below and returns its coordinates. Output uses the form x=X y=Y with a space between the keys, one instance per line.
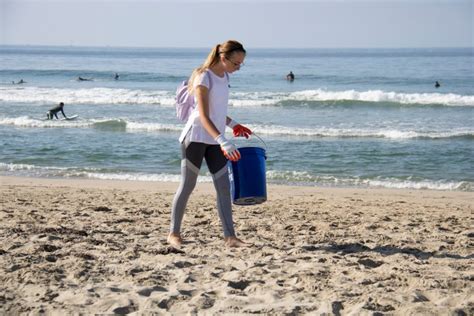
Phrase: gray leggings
x=192 y=156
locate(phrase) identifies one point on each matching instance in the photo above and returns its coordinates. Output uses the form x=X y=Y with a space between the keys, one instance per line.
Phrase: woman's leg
x=192 y=155
x=217 y=165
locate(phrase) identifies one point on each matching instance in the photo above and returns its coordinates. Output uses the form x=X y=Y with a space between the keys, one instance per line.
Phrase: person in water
x=437 y=84
x=116 y=77
x=83 y=79
x=290 y=76
x=54 y=111
x=203 y=138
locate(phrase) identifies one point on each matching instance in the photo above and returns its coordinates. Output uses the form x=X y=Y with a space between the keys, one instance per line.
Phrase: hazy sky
x=256 y=23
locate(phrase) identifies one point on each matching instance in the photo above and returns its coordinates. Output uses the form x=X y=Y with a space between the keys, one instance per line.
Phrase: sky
x=256 y=23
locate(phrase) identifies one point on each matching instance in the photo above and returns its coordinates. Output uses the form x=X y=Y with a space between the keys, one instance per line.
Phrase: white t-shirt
x=218 y=101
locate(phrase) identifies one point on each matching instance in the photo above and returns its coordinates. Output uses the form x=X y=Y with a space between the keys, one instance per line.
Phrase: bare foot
x=175 y=240
x=235 y=242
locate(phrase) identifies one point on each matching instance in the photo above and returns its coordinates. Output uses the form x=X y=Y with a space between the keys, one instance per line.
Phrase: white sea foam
x=16 y=167
x=136 y=177
x=268 y=98
x=306 y=178
x=87 y=96
x=90 y=173
x=273 y=176
x=25 y=121
x=417 y=185
x=42 y=95
x=152 y=127
x=354 y=132
x=133 y=126
x=382 y=96
x=31 y=170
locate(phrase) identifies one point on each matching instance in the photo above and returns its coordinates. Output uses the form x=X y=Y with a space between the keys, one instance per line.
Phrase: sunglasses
x=234 y=63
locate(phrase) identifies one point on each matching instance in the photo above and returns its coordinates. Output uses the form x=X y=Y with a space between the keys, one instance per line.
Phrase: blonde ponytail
x=226 y=48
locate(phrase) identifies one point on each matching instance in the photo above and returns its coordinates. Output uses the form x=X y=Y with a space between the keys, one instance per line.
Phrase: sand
x=85 y=246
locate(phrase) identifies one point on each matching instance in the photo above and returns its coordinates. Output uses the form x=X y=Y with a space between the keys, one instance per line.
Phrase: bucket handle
x=253 y=134
x=264 y=144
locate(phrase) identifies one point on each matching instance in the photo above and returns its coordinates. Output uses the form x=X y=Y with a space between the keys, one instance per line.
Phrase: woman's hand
x=238 y=129
x=228 y=149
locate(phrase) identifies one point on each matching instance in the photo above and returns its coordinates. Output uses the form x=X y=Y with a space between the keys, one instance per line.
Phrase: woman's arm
x=238 y=129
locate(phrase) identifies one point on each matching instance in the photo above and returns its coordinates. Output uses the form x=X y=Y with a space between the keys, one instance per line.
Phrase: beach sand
x=86 y=246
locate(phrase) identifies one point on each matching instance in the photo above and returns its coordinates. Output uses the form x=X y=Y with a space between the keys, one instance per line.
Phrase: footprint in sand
x=369 y=263
x=147 y=291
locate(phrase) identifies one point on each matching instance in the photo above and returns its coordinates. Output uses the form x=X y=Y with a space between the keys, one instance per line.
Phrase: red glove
x=239 y=130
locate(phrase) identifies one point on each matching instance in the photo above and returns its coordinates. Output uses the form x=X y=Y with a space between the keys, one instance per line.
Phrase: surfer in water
x=290 y=76
x=84 y=79
x=54 y=111
x=21 y=81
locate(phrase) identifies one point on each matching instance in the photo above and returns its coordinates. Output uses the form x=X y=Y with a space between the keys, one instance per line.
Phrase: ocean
x=352 y=117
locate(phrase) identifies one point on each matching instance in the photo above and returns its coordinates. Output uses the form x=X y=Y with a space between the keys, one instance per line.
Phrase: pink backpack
x=185 y=101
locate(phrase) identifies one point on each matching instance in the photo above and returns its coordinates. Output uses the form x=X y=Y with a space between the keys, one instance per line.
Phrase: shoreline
x=273 y=190
x=97 y=246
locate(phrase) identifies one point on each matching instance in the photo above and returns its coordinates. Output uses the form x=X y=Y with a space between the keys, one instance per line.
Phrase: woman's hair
x=227 y=49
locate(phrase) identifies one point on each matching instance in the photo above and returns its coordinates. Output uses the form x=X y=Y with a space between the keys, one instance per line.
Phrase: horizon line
x=247 y=47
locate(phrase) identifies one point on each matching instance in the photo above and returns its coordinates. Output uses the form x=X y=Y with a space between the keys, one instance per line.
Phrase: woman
x=203 y=137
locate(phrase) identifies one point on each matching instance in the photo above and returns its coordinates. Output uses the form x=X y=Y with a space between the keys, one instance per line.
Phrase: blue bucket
x=247 y=177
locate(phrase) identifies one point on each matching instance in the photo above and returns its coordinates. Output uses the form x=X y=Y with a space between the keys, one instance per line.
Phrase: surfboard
x=70 y=118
